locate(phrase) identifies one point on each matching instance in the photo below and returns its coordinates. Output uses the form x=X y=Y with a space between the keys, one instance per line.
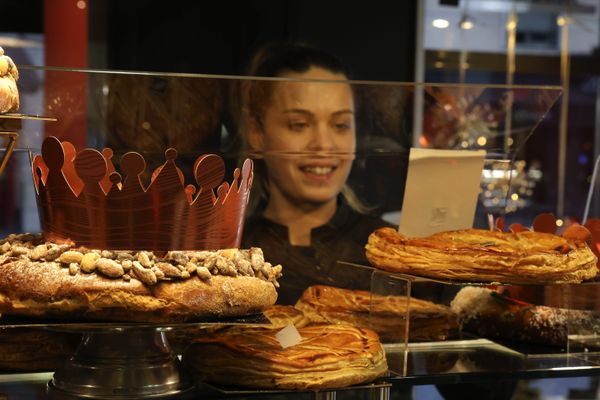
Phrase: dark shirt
x=343 y=238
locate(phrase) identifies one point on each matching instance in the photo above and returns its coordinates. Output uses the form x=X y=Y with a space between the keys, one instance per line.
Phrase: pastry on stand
x=122 y=261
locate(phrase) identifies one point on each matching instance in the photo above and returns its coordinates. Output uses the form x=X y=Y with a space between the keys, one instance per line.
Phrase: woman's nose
x=322 y=138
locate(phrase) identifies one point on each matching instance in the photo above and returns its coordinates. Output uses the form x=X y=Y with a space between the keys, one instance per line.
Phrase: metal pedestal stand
x=122 y=364
x=377 y=393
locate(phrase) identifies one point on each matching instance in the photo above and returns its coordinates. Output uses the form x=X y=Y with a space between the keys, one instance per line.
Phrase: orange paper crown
x=83 y=199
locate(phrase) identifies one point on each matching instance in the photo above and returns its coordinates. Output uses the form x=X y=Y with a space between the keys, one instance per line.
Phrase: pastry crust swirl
x=328 y=356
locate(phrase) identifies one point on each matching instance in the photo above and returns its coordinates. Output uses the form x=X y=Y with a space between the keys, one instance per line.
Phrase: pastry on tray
x=491 y=314
x=42 y=279
x=328 y=356
x=484 y=256
x=384 y=314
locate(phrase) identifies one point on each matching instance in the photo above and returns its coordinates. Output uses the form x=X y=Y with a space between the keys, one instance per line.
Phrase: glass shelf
x=80 y=325
x=478 y=360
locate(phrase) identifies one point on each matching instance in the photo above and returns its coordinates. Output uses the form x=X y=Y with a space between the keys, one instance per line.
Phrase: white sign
x=441 y=191
x=288 y=336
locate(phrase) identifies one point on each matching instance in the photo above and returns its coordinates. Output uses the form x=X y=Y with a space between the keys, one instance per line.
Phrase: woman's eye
x=298 y=125
x=342 y=126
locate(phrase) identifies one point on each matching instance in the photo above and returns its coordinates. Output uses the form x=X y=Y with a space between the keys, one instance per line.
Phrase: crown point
x=53 y=153
x=222 y=192
x=209 y=171
x=91 y=165
x=107 y=152
x=132 y=163
x=70 y=151
x=189 y=192
x=171 y=154
x=115 y=178
x=247 y=168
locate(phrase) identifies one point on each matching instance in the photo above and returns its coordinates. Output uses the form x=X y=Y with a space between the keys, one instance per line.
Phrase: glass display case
x=502 y=336
x=197 y=114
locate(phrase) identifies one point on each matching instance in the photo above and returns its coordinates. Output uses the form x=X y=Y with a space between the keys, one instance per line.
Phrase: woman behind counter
x=305 y=217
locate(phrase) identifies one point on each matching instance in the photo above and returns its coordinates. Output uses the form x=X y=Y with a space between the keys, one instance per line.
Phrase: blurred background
x=530 y=42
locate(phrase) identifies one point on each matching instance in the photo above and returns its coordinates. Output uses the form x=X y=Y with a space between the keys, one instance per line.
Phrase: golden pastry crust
x=328 y=356
x=384 y=314
x=9 y=93
x=484 y=256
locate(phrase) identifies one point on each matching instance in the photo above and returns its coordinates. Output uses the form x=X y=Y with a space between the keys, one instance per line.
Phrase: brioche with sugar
x=9 y=74
x=328 y=356
x=491 y=314
x=38 y=278
x=484 y=256
x=384 y=314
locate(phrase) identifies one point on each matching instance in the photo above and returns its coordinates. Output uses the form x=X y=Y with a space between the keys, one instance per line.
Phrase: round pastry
x=484 y=256
x=45 y=279
x=328 y=356
x=384 y=314
x=9 y=74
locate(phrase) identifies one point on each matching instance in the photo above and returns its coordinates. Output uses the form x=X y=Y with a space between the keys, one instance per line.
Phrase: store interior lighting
x=440 y=23
x=466 y=23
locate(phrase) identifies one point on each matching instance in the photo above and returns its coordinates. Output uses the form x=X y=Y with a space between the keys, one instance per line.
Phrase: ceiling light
x=466 y=24
x=440 y=23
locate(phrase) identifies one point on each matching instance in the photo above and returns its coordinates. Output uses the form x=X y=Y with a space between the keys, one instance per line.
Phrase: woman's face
x=308 y=137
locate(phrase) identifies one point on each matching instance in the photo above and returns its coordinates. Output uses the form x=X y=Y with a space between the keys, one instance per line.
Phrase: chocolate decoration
x=84 y=199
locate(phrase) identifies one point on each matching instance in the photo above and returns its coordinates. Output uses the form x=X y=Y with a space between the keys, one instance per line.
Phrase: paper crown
x=82 y=198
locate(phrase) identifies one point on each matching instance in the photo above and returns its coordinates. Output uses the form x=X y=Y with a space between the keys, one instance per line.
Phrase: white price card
x=288 y=336
x=441 y=191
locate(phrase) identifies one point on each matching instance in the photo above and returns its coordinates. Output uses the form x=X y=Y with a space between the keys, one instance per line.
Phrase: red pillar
x=66 y=45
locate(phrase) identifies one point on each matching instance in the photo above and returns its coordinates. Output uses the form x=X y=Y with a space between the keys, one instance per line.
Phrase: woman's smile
x=318 y=172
